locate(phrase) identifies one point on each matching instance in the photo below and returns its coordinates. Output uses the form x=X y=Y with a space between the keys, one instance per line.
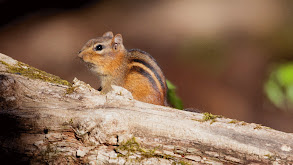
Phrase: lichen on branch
x=34 y=73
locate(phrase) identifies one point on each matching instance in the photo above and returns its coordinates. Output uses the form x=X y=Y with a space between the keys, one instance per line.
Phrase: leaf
x=279 y=86
x=173 y=99
x=285 y=74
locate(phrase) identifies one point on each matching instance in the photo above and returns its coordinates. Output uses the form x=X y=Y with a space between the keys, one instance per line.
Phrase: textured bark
x=45 y=122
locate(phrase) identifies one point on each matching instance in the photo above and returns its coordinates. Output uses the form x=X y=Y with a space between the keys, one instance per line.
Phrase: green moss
x=234 y=121
x=257 y=127
x=165 y=156
x=68 y=123
x=266 y=127
x=181 y=162
x=70 y=90
x=270 y=157
x=4 y=63
x=208 y=117
x=184 y=163
x=34 y=73
x=132 y=147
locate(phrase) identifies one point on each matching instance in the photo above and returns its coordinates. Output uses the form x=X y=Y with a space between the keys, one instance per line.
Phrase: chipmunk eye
x=99 y=47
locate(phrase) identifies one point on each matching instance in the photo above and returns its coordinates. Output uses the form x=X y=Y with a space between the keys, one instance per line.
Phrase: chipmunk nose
x=80 y=54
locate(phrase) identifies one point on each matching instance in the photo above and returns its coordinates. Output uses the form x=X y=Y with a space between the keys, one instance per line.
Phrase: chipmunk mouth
x=95 y=69
x=90 y=65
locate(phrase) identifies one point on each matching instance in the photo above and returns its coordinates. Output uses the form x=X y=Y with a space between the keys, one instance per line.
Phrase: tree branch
x=48 y=120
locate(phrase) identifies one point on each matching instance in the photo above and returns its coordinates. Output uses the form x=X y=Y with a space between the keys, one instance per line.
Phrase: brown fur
x=134 y=70
x=141 y=89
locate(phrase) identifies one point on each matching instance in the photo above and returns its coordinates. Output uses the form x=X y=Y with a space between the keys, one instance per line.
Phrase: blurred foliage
x=279 y=87
x=173 y=99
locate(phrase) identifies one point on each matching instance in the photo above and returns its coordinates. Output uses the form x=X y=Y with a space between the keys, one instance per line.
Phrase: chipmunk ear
x=108 y=34
x=118 y=39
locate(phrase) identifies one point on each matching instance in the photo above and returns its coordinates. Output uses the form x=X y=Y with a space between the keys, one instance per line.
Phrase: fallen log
x=45 y=119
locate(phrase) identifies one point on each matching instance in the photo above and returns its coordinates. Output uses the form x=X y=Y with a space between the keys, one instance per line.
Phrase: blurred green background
x=231 y=58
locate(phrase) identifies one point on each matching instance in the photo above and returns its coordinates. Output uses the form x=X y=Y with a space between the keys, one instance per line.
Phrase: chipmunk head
x=104 y=55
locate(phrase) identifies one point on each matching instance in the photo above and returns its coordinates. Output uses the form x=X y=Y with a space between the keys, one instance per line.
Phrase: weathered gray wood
x=44 y=122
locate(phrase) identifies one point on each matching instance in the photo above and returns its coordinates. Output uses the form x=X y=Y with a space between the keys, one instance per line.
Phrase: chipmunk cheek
x=86 y=58
x=96 y=59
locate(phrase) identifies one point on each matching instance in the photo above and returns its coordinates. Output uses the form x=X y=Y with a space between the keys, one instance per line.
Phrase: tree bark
x=48 y=120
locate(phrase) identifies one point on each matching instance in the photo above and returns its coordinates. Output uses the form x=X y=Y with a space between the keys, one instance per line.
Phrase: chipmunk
x=134 y=70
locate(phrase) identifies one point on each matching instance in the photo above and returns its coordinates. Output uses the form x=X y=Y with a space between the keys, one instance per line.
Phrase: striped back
x=146 y=65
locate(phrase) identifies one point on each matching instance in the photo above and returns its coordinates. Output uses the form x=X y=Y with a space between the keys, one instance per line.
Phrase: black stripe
x=144 y=53
x=152 y=69
x=145 y=74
